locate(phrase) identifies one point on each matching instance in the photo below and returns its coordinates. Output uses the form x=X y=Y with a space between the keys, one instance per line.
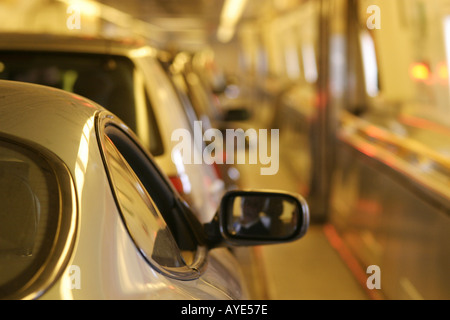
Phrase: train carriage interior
x=344 y=102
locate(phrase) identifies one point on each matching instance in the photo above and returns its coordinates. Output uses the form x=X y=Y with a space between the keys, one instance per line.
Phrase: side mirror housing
x=247 y=218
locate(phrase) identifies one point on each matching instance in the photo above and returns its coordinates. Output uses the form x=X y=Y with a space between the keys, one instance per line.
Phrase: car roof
x=46 y=116
x=75 y=43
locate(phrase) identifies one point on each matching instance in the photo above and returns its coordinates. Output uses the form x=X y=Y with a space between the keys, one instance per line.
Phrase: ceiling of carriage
x=195 y=21
x=188 y=23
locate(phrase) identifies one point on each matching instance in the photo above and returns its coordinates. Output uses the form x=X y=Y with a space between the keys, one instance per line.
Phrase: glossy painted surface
x=105 y=259
x=201 y=184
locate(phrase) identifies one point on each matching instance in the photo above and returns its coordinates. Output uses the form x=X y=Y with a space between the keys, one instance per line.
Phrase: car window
x=36 y=219
x=147 y=203
x=408 y=93
x=105 y=79
x=146 y=225
x=181 y=89
x=154 y=143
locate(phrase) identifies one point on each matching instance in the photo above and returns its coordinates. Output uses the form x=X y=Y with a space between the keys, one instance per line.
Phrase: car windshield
x=105 y=79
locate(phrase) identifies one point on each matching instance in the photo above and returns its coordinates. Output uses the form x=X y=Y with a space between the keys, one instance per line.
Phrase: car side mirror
x=247 y=218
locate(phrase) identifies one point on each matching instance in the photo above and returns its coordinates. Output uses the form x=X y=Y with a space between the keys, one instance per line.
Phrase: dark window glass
x=107 y=80
x=29 y=216
x=147 y=203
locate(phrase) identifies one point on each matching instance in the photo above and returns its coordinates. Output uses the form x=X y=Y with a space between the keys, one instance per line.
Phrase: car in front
x=88 y=214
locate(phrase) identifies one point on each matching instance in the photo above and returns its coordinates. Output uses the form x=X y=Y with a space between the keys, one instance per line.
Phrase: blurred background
x=359 y=92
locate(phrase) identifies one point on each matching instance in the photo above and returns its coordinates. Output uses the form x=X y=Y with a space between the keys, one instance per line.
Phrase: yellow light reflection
x=83 y=154
x=231 y=13
x=143 y=52
x=85 y=7
x=442 y=71
x=420 y=71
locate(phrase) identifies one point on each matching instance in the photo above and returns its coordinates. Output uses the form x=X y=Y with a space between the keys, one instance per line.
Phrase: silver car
x=126 y=78
x=87 y=214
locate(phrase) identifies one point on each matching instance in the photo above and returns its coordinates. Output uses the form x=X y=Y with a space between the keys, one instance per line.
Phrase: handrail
x=406 y=144
x=404 y=154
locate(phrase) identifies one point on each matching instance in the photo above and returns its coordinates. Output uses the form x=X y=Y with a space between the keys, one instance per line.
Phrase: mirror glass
x=262 y=216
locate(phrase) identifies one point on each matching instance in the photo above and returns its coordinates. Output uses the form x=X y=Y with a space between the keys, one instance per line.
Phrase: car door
x=164 y=229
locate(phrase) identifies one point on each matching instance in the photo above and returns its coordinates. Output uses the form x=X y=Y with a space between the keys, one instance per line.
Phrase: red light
x=217 y=170
x=177 y=183
x=182 y=189
x=420 y=71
